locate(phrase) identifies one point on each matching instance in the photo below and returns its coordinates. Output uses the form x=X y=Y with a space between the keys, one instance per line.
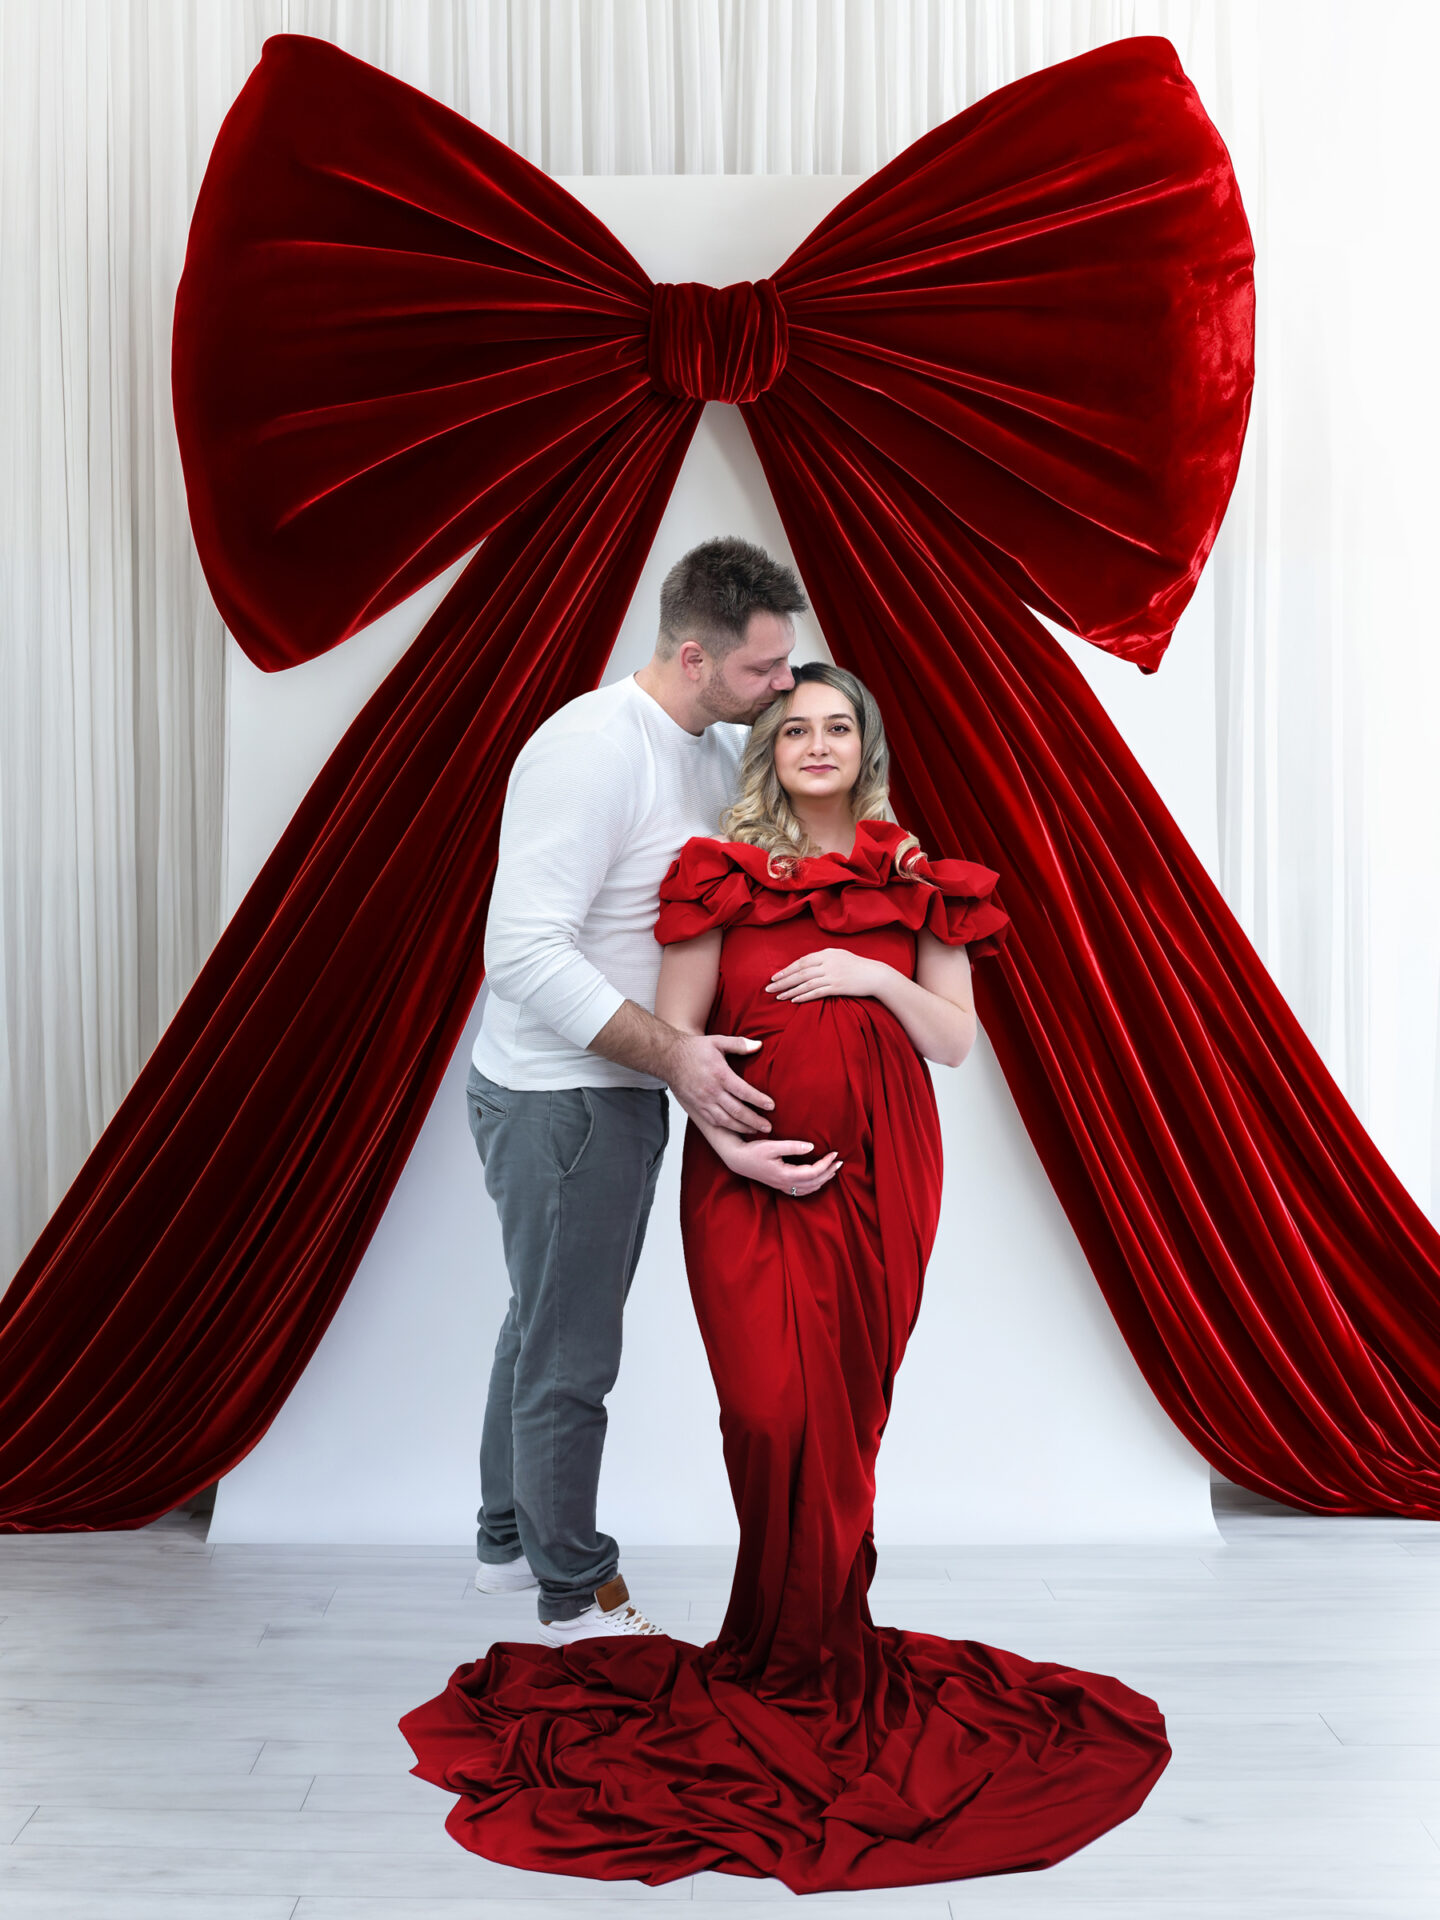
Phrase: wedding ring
x=794 y=1193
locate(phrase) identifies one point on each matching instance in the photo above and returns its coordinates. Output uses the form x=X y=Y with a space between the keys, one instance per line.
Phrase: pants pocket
x=572 y=1125
x=486 y=1107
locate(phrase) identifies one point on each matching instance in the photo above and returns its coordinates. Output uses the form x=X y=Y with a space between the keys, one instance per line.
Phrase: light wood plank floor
x=198 y=1733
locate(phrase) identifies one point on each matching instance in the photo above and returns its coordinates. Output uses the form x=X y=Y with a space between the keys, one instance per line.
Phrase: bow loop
x=717 y=343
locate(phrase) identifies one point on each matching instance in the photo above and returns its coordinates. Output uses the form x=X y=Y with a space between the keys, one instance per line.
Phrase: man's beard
x=721 y=704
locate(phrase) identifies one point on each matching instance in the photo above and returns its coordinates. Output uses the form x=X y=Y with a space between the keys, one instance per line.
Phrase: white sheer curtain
x=1328 y=678
x=111 y=700
x=112 y=672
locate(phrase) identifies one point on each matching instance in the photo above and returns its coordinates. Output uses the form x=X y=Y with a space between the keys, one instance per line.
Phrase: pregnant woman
x=805 y=1743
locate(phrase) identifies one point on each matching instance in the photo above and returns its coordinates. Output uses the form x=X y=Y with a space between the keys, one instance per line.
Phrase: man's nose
x=783 y=681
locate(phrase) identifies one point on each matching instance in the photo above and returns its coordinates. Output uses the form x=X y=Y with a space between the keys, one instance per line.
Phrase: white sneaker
x=610 y=1613
x=508 y=1577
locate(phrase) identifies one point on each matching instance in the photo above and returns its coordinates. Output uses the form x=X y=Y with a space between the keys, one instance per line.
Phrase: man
x=566 y=1090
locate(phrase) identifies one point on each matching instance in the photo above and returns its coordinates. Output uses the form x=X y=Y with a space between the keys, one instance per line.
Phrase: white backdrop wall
x=1019 y=1413
x=112 y=671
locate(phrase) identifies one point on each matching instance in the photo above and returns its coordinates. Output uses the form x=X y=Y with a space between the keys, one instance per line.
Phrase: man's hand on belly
x=693 y=1065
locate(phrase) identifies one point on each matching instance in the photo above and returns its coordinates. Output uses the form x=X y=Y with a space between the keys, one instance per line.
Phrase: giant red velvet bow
x=1010 y=371
x=392 y=331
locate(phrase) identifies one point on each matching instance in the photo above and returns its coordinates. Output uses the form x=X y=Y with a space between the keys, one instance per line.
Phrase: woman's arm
x=689 y=973
x=936 y=1008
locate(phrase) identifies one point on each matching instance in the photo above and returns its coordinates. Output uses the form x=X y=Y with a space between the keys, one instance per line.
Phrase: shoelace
x=635 y=1622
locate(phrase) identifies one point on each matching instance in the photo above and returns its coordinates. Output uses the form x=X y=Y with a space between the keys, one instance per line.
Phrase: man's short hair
x=710 y=594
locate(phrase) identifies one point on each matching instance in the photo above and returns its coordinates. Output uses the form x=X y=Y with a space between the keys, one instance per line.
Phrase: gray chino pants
x=572 y=1174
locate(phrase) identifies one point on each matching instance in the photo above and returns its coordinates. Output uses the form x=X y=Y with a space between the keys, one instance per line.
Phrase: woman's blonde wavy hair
x=761 y=815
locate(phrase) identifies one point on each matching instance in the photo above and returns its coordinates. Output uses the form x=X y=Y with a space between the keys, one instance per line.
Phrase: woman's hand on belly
x=935 y=1007
x=764 y=1162
x=830 y=970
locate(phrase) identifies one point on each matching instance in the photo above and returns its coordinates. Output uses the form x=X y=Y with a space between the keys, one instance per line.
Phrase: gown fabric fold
x=805 y=1743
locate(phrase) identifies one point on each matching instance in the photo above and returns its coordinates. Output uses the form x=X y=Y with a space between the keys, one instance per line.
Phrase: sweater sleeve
x=568 y=810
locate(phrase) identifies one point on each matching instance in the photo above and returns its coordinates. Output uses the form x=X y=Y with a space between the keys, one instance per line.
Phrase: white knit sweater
x=601 y=799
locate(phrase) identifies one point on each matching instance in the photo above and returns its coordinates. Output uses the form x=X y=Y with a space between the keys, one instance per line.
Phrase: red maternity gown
x=805 y=1742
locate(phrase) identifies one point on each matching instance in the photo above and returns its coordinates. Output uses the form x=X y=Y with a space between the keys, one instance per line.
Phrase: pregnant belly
x=827 y=1064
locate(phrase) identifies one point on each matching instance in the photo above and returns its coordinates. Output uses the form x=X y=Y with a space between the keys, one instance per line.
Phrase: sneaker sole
x=552 y=1639
x=493 y=1585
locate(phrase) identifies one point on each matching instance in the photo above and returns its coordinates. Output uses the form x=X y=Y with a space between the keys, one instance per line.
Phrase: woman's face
x=817 y=750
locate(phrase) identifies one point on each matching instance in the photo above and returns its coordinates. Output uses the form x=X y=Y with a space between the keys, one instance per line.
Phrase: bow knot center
x=717 y=343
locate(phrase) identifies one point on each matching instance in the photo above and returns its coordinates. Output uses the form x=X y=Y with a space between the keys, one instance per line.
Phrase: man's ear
x=692 y=657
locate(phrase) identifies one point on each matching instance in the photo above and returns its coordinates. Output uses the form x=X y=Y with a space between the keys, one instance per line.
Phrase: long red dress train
x=805 y=1742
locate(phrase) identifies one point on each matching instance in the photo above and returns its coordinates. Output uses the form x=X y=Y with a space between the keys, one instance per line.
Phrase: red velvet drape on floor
x=1010 y=371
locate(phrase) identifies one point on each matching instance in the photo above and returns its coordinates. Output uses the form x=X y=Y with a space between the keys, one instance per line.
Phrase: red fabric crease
x=1016 y=376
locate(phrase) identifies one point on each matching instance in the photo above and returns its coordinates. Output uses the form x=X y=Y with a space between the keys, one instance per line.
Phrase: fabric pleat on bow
x=1011 y=371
